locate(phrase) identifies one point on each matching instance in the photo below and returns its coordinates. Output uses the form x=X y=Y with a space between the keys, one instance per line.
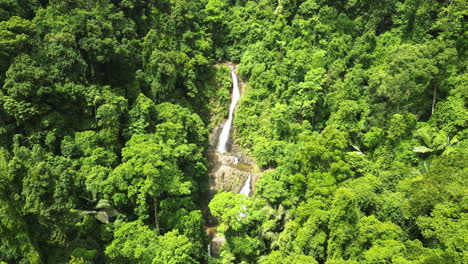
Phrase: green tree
x=135 y=242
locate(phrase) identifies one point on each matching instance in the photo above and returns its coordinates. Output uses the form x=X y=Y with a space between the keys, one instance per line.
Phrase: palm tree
x=271 y=228
x=104 y=210
x=428 y=138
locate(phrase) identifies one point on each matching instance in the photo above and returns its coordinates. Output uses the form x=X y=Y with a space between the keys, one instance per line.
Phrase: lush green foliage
x=357 y=108
x=360 y=109
x=103 y=100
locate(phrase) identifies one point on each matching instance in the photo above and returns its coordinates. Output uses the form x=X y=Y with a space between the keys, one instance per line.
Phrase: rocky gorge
x=230 y=168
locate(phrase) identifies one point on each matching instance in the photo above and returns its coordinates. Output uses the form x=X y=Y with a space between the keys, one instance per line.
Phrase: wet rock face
x=214 y=135
x=216 y=244
x=240 y=154
x=216 y=241
x=227 y=172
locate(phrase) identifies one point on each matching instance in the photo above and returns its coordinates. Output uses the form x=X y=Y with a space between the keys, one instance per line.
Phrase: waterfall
x=246 y=188
x=224 y=136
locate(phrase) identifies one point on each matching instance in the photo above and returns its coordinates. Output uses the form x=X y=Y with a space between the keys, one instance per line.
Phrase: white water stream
x=246 y=188
x=224 y=136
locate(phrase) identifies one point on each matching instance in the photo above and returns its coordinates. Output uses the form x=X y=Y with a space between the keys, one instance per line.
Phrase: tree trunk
x=434 y=99
x=156 y=221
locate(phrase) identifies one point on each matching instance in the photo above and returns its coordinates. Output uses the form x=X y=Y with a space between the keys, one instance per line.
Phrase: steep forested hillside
x=357 y=110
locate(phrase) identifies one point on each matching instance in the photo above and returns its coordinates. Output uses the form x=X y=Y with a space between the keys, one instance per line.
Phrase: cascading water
x=246 y=188
x=230 y=161
x=224 y=136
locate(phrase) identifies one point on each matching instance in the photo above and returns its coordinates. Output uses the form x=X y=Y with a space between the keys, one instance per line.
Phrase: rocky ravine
x=228 y=170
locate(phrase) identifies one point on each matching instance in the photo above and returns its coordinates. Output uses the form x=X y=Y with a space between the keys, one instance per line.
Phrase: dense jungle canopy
x=355 y=110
